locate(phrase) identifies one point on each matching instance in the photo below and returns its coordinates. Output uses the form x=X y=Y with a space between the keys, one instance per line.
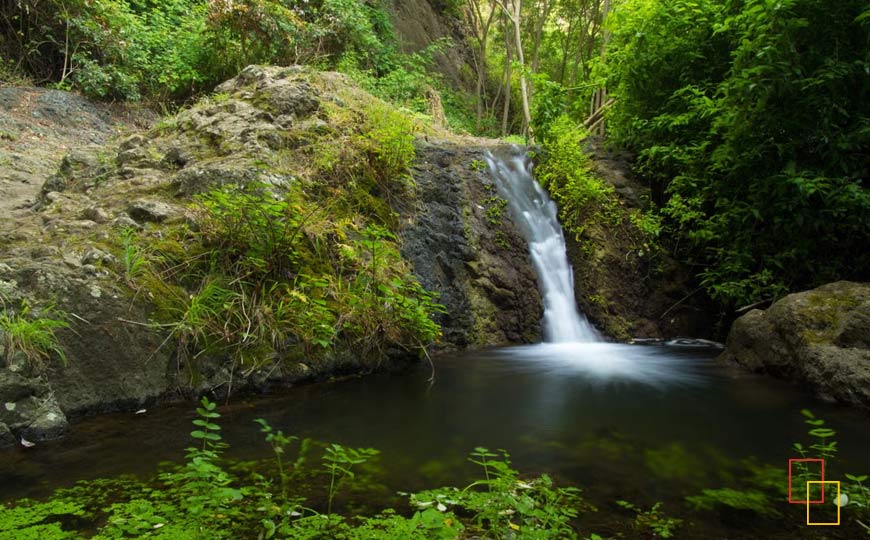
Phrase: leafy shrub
x=565 y=172
x=586 y=200
x=130 y=49
x=750 y=122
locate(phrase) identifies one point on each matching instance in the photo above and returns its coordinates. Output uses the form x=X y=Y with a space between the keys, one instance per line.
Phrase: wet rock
x=14 y=387
x=480 y=269
x=819 y=338
x=51 y=424
x=7 y=439
x=150 y=211
x=625 y=292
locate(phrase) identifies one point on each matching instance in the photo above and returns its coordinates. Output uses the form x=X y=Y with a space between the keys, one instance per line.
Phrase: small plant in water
x=339 y=462
x=653 y=519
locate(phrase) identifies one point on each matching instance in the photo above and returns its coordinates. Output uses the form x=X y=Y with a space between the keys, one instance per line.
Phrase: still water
x=642 y=423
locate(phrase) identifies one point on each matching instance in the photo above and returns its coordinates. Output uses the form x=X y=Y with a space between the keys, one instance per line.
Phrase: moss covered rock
x=819 y=338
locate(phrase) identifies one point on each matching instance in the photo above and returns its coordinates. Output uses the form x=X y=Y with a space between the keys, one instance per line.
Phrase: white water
x=537 y=217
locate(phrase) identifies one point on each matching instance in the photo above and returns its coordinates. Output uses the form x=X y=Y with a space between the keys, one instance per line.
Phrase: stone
x=17 y=362
x=51 y=424
x=93 y=256
x=124 y=221
x=178 y=156
x=488 y=287
x=150 y=211
x=132 y=155
x=14 y=387
x=133 y=141
x=81 y=224
x=96 y=214
x=818 y=338
x=55 y=183
x=77 y=162
x=199 y=179
x=7 y=439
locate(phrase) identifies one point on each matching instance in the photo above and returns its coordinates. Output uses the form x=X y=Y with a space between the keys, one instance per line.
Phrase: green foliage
x=566 y=173
x=338 y=462
x=266 y=274
x=280 y=444
x=583 y=198
x=495 y=209
x=29 y=520
x=740 y=499
x=750 y=122
x=131 y=49
x=765 y=485
x=506 y=505
x=33 y=334
x=202 y=499
x=131 y=255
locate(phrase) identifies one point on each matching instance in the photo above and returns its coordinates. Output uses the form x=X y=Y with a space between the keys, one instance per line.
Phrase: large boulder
x=820 y=338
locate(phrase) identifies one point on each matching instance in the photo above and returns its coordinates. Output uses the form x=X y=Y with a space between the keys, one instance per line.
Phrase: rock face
x=820 y=338
x=463 y=246
x=420 y=23
x=27 y=406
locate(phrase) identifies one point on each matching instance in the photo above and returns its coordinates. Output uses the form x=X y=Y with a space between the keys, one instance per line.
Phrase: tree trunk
x=524 y=85
x=506 y=111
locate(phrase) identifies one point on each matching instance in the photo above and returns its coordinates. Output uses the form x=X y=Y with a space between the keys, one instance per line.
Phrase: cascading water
x=536 y=215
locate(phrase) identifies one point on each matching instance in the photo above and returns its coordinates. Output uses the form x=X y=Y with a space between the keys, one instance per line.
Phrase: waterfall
x=536 y=215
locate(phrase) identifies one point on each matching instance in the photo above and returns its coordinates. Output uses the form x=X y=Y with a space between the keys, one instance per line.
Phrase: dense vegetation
x=293 y=497
x=749 y=121
x=167 y=52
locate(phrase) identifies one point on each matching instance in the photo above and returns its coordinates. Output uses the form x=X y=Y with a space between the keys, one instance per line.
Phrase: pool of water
x=642 y=423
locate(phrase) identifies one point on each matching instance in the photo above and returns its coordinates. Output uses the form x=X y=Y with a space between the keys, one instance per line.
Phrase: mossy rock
x=820 y=338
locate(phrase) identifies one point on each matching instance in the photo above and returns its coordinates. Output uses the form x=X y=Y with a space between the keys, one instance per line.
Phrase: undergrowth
x=292 y=497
